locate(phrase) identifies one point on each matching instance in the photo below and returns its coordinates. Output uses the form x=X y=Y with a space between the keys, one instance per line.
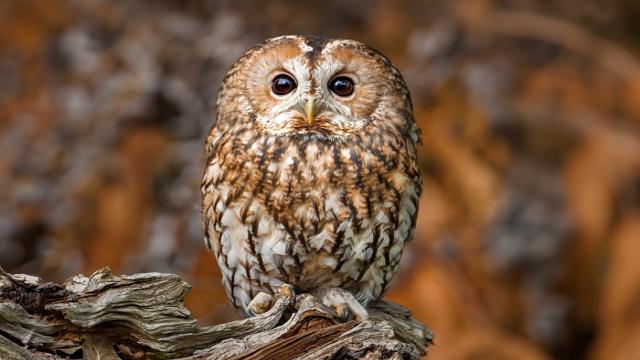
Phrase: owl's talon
x=260 y=303
x=288 y=291
x=343 y=302
x=342 y=310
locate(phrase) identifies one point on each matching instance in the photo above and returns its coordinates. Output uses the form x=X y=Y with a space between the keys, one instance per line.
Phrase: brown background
x=528 y=238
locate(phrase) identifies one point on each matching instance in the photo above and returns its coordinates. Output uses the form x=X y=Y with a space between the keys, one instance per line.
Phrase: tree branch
x=143 y=316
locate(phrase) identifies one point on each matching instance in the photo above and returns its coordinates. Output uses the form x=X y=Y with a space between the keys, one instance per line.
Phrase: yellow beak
x=308 y=110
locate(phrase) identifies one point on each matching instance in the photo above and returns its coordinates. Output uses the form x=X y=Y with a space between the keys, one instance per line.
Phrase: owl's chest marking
x=308 y=214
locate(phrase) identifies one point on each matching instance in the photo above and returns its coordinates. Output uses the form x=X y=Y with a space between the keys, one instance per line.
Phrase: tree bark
x=143 y=316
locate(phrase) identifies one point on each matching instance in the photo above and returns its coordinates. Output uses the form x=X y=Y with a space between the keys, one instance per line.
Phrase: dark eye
x=341 y=85
x=283 y=84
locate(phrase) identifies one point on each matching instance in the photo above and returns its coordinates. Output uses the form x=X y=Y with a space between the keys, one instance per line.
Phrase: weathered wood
x=105 y=316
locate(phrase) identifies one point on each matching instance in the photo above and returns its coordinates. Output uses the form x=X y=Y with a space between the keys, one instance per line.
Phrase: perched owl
x=311 y=179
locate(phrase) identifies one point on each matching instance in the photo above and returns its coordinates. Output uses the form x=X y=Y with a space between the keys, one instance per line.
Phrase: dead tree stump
x=142 y=316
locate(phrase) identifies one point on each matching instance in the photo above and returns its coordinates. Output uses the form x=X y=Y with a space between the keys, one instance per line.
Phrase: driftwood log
x=143 y=316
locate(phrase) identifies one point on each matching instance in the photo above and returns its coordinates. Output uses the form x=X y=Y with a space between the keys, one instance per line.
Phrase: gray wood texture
x=142 y=316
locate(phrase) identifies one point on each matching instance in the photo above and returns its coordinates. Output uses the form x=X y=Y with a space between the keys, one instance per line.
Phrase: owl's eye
x=283 y=84
x=341 y=86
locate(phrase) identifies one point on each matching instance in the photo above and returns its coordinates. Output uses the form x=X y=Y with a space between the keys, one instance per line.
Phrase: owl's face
x=310 y=86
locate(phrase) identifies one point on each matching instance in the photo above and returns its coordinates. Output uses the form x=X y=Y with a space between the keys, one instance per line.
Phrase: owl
x=311 y=182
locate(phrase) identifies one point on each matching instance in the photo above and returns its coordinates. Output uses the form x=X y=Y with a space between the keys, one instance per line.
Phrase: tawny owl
x=311 y=177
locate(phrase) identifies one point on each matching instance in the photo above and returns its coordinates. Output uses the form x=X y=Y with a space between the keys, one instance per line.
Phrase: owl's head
x=314 y=86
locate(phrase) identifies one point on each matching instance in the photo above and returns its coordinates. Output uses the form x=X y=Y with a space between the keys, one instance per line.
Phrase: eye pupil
x=283 y=84
x=342 y=86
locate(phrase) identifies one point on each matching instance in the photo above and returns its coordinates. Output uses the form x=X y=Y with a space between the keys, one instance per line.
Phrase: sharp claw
x=342 y=310
x=288 y=291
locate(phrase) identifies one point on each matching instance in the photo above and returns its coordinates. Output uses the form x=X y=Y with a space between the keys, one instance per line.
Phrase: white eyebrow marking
x=293 y=37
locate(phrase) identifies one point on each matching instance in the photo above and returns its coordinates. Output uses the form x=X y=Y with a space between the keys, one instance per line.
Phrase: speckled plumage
x=320 y=204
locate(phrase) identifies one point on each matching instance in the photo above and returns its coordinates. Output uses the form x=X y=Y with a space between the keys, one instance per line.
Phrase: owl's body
x=308 y=184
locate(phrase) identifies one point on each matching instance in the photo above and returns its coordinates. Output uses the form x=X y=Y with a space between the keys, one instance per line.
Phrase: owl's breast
x=310 y=213
x=318 y=186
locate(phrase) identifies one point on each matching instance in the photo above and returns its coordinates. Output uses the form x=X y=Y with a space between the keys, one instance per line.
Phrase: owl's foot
x=343 y=302
x=262 y=302
x=288 y=291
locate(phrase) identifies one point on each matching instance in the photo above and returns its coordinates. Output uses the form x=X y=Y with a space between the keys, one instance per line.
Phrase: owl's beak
x=308 y=109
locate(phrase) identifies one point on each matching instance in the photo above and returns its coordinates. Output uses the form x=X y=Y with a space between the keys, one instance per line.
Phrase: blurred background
x=528 y=236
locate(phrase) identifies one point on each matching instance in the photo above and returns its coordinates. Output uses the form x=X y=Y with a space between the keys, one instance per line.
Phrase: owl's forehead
x=317 y=50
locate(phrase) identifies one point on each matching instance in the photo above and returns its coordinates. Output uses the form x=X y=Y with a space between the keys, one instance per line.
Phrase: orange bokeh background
x=529 y=227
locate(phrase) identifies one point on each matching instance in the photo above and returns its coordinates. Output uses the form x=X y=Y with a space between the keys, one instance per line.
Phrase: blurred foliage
x=529 y=228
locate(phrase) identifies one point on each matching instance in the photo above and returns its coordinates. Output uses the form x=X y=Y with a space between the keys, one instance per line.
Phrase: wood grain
x=105 y=316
